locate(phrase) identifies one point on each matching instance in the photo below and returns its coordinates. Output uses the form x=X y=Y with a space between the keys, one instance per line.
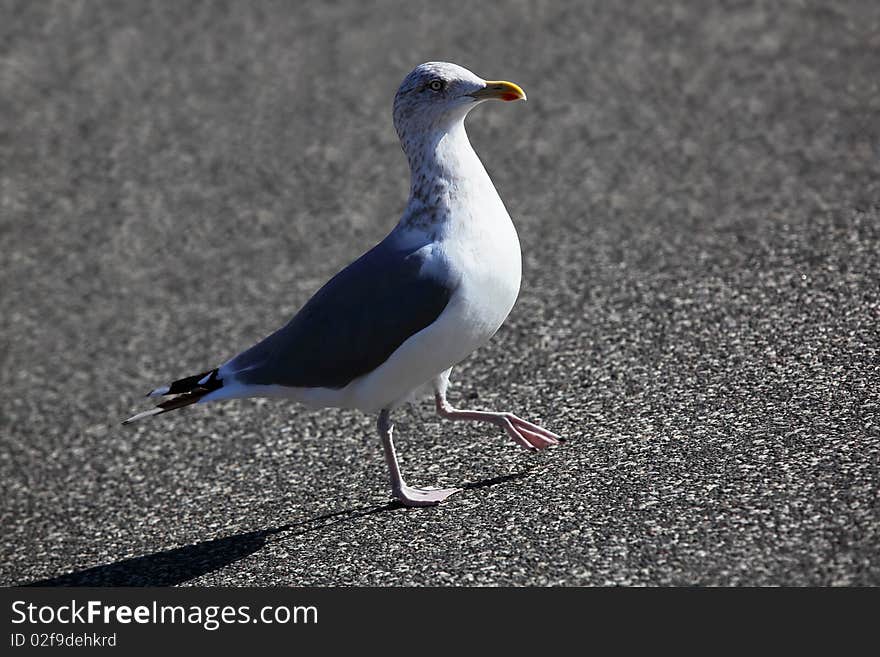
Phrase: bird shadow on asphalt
x=172 y=567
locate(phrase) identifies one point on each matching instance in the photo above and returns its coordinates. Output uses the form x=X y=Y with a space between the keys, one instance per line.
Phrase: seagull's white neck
x=445 y=175
x=440 y=153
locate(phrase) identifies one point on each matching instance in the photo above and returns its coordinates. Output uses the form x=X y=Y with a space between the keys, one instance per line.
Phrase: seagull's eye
x=435 y=85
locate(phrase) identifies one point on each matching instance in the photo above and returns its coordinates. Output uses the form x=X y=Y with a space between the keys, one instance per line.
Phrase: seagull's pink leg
x=522 y=432
x=404 y=494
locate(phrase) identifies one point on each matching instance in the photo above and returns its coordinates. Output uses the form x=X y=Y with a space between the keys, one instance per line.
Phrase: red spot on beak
x=509 y=96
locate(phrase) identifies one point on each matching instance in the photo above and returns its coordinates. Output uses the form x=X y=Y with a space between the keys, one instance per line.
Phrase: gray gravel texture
x=697 y=190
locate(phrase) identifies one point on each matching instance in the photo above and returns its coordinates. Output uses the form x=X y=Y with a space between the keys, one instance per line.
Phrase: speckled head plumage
x=437 y=94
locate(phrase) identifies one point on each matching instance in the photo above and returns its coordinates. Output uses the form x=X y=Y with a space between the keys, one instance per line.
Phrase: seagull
x=389 y=328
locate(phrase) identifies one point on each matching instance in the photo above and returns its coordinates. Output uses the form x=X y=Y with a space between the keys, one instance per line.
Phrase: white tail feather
x=141 y=416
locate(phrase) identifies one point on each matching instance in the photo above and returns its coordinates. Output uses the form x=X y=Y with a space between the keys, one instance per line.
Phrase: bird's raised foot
x=524 y=433
x=409 y=496
x=528 y=435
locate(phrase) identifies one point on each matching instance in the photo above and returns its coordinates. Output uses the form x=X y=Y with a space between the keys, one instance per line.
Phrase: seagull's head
x=438 y=94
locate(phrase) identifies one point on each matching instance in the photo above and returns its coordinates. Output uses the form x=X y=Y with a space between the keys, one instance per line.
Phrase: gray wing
x=352 y=324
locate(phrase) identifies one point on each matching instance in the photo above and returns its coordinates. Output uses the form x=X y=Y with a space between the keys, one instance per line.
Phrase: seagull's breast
x=484 y=249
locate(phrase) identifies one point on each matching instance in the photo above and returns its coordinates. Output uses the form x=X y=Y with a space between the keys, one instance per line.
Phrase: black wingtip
x=193 y=383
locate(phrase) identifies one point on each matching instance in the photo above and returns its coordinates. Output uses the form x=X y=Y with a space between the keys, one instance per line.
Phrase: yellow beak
x=500 y=90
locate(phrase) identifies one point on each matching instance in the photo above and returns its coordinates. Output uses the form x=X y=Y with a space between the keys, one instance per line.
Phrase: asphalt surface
x=697 y=191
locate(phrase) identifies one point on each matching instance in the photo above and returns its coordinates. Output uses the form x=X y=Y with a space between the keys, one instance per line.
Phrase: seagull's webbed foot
x=524 y=433
x=409 y=496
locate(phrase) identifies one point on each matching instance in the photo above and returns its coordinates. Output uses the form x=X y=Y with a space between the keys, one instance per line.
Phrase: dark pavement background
x=697 y=190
